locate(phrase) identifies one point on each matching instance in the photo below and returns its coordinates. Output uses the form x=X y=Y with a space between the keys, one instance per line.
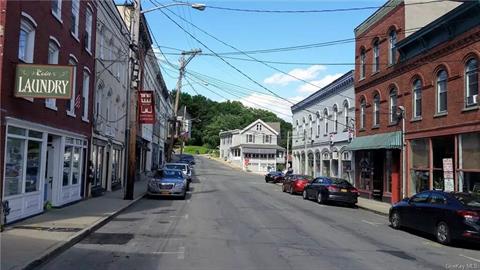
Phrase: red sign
x=146 y=107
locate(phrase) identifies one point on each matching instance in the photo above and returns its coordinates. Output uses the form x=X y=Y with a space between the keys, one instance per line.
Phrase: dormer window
x=259 y=127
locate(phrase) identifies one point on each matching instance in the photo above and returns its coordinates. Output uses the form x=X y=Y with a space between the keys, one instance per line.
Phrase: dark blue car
x=449 y=216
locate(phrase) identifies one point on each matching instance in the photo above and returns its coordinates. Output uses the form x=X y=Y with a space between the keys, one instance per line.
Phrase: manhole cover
x=49 y=229
x=108 y=238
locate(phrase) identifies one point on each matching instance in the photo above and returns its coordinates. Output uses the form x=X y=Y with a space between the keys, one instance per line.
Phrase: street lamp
x=197 y=6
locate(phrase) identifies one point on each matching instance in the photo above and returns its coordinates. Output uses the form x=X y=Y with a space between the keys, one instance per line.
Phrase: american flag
x=77 y=101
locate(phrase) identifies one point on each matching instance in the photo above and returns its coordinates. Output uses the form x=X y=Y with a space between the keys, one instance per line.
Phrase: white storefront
x=41 y=164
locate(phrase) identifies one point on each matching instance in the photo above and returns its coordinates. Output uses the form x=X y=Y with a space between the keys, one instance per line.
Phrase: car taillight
x=469 y=215
x=354 y=190
x=332 y=188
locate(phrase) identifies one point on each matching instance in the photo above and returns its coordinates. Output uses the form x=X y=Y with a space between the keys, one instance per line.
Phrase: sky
x=252 y=82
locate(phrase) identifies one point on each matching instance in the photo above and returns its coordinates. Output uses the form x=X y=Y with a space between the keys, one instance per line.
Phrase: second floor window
x=335 y=119
x=393 y=106
x=471 y=82
x=71 y=102
x=75 y=12
x=376 y=56
x=57 y=8
x=318 y=124
x=85 y=95
x=345 y=114
x=26 y=42
x=376 y=110
x=363 y=107
x=88 y=30
x=392 y=56
x=53 y=52
x=442 y=78
x=250 y=138
x=417 y=98
x=362 y=64
x=325 y=119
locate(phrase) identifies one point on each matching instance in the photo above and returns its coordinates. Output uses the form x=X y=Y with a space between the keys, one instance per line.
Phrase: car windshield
x=172 y=174
x=468 y=199
x=175 y=166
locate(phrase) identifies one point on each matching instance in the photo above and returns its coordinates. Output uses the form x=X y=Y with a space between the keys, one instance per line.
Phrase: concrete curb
x=61 y=247
x=372 y=210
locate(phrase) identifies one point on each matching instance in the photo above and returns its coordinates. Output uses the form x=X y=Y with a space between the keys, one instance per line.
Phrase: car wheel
x=290 y=191
x=395 y=220
x=304 y=194
x=320 y=198
x=442 y=233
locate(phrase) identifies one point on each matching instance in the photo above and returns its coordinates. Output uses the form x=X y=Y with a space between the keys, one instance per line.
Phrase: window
x=75 y=17
x=57 y=9
x=362 y=64
x=318 y=124
x=392 y=56
x=53 y=52
x=250 y=138
x=345 y=115
x=376 y=110
x=436 y=198
x=335 y=118
x=471 y=82
x=88 y=30
x=417 y=98
x=419 y=160
x=268 y=138
x=376 y=56
x=393 y=106
x=26 y=42
x=363 y=107
x=325 y=119
x=442 y=78
x=420 y=198
x=71 y=102
x=86 y=87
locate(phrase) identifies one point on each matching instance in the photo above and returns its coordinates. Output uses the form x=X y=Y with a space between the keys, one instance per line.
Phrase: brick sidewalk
x=25 y=244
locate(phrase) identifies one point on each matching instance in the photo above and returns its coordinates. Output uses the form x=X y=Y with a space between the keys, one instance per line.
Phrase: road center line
x=371 y=223
x=181 y=253
x=473 y=259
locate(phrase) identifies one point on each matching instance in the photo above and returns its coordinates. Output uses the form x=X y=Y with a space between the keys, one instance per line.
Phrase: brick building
x=44 y=142
x=382 y=85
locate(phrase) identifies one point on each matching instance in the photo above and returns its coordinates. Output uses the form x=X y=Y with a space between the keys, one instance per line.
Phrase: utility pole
x=183 y=63
x=131 y=129
x=404 y=154
x=306 y=155
x=288 y=146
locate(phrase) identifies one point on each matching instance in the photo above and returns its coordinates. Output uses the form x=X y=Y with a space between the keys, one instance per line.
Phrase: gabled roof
x=259 y=121
x=274 y=125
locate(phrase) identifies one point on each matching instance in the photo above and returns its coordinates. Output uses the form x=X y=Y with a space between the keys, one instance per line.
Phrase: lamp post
x=197 y=6
x=404 y=159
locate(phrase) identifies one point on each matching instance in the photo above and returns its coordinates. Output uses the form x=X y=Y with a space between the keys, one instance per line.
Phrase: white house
x=323 y=124
x=253 y=148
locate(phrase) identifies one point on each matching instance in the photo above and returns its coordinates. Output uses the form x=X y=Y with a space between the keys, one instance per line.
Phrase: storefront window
x=419 y=153
x=442 y=148
x=419 y=181
x=67 y=160
x=14 y=166
x=76 y=166
x=33 y=166
x=16 y=131
x=470 y=161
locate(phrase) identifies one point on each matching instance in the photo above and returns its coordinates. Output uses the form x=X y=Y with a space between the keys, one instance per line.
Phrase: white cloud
x=304 y=74
x=317 y=84
x=277 y=105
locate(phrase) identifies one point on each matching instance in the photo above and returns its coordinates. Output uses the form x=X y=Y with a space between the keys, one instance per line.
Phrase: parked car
x=449 y=216
x=168 y=183
x=189 y=158
x=274 y=176
x=185 y=168
x=324 y=189
x=295 y=183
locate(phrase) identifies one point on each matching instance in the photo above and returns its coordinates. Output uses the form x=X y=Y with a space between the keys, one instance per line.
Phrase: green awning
x=392 y=140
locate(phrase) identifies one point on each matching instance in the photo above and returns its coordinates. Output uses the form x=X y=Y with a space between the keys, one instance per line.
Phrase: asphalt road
x=234 y=220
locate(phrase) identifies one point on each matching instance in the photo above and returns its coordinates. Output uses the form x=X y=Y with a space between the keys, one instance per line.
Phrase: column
x=314 y=165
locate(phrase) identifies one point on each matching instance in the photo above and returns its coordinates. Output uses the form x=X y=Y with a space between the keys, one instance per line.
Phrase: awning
x=259 y=151
x=392 y=140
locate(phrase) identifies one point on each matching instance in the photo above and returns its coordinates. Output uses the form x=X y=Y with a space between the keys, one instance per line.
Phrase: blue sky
x=254 y=31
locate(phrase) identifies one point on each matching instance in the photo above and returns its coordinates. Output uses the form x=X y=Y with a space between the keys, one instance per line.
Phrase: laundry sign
x=146 y=107
x=43 y=81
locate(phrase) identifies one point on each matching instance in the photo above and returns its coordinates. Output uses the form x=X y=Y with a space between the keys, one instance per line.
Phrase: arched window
x=325 y=119
x=417 y=98
x=335 y=118
x=376 y=56
x=442 y=78
x=310 y=125
x=376 y=110
x=392 y=56
x=53 y=54
x=26 y=42
x=393 y=105
x=471 y=82
x=363 y=107
x=362 y=63
x=318 y=124
x=345 y=114
x=71 y=102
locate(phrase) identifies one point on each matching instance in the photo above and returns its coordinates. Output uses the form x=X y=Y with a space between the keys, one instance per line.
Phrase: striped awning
x=391 y=140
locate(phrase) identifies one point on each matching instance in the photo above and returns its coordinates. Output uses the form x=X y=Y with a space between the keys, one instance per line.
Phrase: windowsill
x=75 y=36
x=471 y=108
x=416 y=119
x=376 y=127
x=440 y=114
x=89 y=51
x=52 y=108
x=391 y=124
x=375 y=73
x=57 y=16
x=72 y=114
x=361 y=79
x=85 y=120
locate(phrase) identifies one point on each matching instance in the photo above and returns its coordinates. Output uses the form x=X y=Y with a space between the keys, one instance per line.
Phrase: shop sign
x=146 y=107
x=43 y=81
x=448 y=175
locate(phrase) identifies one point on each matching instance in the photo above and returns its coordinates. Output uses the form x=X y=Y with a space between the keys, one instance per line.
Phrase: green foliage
x=211 y=117
x=192 y=149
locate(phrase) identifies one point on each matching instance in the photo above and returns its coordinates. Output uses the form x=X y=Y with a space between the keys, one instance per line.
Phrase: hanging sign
x=43 y=81
x=146 y=107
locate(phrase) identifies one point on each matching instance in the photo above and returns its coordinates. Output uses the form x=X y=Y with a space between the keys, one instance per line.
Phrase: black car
x=449 y=216
x=274 y=176
x=324 y=189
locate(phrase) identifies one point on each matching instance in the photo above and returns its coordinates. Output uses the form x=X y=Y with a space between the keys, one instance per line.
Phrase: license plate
x=164 y=192
x=343 y=190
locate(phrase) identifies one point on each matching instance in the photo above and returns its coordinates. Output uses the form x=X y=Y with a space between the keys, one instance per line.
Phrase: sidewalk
x=28 y=243
x=374 y=206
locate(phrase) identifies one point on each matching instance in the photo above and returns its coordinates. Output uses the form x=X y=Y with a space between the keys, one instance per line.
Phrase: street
x=234 y=220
